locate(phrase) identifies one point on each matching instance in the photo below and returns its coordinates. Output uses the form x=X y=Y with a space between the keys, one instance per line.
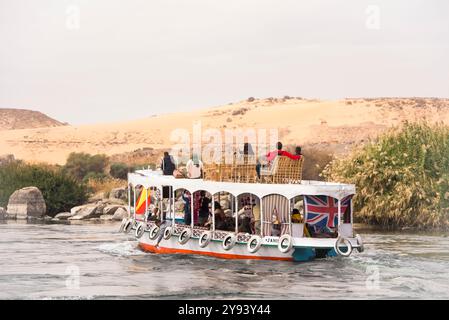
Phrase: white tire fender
x=229 y=241
x=346 y=242
x=205 y=239
x=285 y=243
x=168 y=232
x=140 y=229
x=122 y=225
x=128 y=226
x=185 y=236
x=254 y=244
x=154 y=232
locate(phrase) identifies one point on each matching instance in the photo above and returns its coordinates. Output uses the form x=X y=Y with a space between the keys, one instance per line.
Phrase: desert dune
x=338 y=125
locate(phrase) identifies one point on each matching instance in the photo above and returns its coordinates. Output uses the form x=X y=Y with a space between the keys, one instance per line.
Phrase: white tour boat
x=326 y=228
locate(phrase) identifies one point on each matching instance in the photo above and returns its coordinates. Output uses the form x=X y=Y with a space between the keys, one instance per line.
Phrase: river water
x=93 y=261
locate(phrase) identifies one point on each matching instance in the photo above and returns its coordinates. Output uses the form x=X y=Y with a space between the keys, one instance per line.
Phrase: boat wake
x=124 y=249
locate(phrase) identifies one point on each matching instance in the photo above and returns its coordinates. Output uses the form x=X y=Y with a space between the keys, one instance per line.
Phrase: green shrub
x=60 y=191
x=402 y=178
x=79 y=165
x=120 y=170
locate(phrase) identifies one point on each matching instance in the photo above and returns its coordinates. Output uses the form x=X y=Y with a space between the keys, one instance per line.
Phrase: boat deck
x=151 y=178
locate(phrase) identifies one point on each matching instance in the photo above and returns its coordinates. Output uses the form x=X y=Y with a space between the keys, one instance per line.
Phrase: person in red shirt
x=279 y=152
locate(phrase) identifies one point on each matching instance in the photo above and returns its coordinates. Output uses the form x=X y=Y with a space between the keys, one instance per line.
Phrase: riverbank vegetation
x=402 y=177
x=60 y=190
x=96 y=172
x=83 y=166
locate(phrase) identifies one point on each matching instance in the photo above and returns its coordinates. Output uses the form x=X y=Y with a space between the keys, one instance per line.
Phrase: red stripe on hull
x=154 y=249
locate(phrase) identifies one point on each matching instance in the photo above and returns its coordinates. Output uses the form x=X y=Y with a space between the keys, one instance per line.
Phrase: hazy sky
x=87 y=61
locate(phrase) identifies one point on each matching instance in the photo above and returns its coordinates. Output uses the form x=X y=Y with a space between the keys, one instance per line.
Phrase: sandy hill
x=12 y=119
x=337 y=125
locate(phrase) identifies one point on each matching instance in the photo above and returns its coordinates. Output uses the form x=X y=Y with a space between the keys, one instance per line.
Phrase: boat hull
x=301 y=251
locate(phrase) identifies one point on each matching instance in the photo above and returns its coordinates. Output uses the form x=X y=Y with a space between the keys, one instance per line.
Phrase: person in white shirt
x=194 y=168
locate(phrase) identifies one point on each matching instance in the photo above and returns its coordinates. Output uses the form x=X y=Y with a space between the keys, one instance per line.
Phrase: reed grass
x=402 y=177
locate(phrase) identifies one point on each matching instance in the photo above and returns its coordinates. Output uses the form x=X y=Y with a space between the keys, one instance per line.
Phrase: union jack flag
x=322 y=211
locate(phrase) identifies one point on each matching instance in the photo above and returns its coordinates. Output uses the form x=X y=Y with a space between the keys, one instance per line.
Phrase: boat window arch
x=275 y=215
x=248 y=213
x=184 y=196
x=223 y=210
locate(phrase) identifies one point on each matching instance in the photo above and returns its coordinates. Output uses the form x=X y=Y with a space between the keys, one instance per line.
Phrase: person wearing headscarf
x=194 y=167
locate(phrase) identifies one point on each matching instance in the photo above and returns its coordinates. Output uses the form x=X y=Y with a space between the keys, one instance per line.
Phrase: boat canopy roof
x=150 y=178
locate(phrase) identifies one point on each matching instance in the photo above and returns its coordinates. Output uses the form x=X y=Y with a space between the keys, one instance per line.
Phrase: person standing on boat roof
x=168 y=164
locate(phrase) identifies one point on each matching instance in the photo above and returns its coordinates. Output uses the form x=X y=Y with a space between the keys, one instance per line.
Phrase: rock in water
x=64 y=215
x=27 y=203
x=106 y=217
x=85 y=212
x=119 y=214
x=111 y=209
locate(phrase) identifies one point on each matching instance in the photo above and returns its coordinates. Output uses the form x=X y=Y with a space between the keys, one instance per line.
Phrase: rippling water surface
x=41 y=261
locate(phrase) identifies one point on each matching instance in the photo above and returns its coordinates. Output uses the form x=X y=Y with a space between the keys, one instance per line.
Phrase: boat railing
x=282 y=170
x=197 y=231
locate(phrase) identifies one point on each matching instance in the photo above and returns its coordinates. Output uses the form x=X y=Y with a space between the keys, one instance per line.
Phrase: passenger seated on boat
x=296 y=216
x=148 y=212
x=276 y=229
x=298 y=152
x=310 y=230
x=279 y=152
x=322 y=232
x=167 y=164
x=245 y=225
x=180 y=173
x=247 y=150
x=187 y=208
x=155 y=216
x=225 y=221
x=194 y=168
x=230 y=224
x=255 y=222
x=273 y=154
x=220 y=218
x=245 y=212
x=204 y=208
